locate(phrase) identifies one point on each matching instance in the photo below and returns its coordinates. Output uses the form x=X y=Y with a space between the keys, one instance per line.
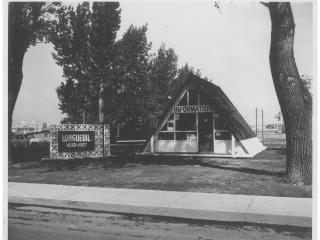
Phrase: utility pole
x=262 y=123
x=256 y=121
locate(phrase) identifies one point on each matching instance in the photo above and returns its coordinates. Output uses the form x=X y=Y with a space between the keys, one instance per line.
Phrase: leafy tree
x=83 y=39
x=130 y=69
x=163 y=73
x=129 y=84
x=165 y=82
x=70 y=97
x=182 y=75
x=164 y=70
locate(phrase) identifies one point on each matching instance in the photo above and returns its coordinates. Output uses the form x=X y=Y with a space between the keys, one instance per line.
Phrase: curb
x=197 y=206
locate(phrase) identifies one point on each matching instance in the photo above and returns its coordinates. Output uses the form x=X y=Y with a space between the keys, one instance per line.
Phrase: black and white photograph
x=173 y=120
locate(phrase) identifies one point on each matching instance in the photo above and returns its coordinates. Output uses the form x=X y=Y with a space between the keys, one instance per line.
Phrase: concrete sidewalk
x=204 y=206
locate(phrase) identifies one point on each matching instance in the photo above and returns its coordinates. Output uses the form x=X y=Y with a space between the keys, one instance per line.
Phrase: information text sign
x=193 y=109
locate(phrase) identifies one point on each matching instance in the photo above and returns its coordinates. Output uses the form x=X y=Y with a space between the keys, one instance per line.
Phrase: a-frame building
x=202 y=120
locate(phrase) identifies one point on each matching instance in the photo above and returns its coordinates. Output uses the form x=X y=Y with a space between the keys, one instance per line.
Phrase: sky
x=230 y=46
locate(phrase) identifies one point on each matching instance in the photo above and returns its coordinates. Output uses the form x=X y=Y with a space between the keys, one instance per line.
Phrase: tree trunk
x=294 y=98
x=23 y=23
x=15 y=75
x=101 y=105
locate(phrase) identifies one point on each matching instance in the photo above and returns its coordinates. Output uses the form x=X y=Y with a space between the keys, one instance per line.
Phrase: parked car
x=30 y=140
x=19 y=140
x=39 y=139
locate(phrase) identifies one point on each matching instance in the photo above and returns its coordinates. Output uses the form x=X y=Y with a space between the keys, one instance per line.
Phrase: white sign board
x=79 y=141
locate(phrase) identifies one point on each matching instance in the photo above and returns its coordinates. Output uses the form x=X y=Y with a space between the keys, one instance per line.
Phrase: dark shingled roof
x=224 y=107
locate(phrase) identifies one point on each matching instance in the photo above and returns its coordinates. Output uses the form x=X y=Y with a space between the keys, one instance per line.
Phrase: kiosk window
x=183 y=100
x=219 y=124
x=169 y=125
x=190 y=136
x=222 y=135
x=165 y=127
x=186 y=122
x=166 y=136
x=193 y=97
x=189 y=98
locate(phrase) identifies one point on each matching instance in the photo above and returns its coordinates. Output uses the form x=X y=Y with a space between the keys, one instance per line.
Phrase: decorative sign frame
x=101 y=140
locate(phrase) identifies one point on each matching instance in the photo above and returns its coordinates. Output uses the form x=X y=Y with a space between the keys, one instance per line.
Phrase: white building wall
x=175 y=146
x=223 y=146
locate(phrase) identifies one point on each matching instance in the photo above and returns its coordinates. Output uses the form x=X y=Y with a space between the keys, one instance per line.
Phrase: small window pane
x=193 y=97
x=166 y=136
x=186 y=136
x=222 y=135
x=186 y=122
x=219 y=123
x=169 y=125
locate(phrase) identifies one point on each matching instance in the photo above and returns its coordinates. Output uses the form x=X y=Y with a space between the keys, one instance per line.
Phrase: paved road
x=34 y=222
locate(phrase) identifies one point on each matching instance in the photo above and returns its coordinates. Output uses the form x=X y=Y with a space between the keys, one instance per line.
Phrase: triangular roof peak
x=221 y=105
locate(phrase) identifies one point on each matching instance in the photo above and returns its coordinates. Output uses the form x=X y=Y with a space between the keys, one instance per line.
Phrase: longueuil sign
x=79 y=141
x=70 y=141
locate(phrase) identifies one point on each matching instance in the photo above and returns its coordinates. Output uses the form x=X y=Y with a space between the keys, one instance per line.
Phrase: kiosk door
x=205 y=131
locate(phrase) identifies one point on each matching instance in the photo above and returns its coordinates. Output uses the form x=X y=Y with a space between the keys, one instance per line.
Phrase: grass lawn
x=262 y=175
x=272 y=139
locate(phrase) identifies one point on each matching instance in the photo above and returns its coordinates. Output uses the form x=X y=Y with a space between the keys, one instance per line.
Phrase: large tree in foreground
x=293 y=94
x=24 y=28
x=24 y=24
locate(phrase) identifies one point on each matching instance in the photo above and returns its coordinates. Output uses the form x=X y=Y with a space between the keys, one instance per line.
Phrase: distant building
x=44 y=126
x=274 y=126
x=24 y=127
